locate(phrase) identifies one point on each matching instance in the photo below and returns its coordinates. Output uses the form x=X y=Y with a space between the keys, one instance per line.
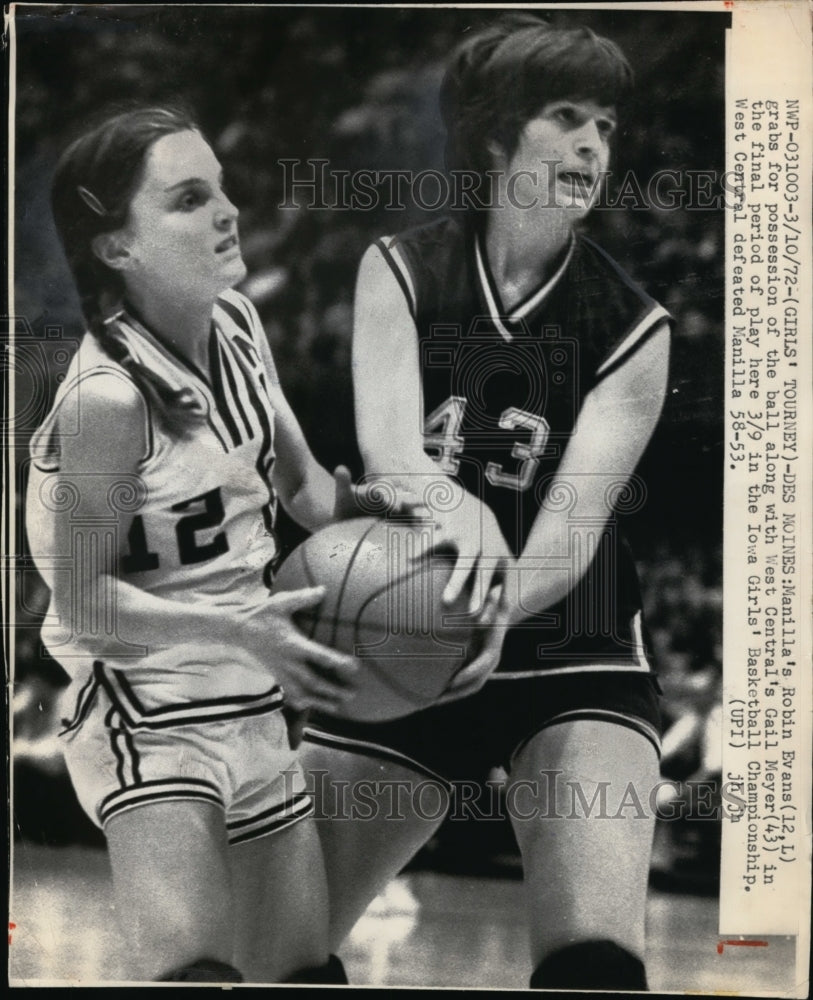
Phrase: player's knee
x=590 y=965
x=204 y=970
x=331 y=973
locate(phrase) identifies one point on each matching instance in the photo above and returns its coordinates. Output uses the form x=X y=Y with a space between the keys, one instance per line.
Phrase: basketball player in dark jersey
x=510 y=358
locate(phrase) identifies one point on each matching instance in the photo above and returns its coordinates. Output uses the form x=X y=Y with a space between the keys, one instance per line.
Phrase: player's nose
x=587 y=139
x=226 y=213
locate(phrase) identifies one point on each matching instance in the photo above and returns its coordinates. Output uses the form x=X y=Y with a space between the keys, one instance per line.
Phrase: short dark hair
x=502 y=76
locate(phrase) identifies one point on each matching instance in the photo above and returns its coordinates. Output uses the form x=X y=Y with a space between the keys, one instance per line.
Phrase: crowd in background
x=358 y=88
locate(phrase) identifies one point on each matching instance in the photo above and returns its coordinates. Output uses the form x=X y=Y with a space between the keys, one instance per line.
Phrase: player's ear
x=111 y=249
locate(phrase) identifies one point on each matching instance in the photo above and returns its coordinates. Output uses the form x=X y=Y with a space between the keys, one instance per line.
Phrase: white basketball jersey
x=196 y=524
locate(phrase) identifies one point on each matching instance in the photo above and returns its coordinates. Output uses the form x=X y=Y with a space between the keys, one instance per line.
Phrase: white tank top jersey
x=195 y=525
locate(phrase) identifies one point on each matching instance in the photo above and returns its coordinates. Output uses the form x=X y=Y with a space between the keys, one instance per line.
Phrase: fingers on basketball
x=386 y=608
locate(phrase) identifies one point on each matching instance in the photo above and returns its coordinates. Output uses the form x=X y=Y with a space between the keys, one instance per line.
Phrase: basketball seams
x=389 y=680
x=309 y=576
x=407 y=664
x=347 y=573
x=382 y=673
x=404 y=577
x=311 y=579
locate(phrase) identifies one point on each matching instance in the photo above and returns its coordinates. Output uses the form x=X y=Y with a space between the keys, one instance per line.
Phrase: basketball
x=383 y=603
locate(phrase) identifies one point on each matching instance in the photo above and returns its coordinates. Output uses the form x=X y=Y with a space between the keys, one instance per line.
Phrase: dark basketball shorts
x=462 y=740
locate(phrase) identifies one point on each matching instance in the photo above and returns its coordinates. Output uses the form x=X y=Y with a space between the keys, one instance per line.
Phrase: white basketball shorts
x=233 y=752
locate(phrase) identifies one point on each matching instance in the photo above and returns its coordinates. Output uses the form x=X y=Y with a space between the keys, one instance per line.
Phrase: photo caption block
x=766 y=677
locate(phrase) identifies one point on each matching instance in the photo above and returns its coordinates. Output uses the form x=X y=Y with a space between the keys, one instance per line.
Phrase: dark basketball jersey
x=502 y=393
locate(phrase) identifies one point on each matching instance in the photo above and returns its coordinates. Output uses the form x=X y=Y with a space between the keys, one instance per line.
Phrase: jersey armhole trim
x=147 y=410
x=47 y=464
x=635 y=339
x=400 y=268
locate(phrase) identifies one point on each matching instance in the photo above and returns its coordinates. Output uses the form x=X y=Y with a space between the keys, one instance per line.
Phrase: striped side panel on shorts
x=135 y=715
x=161 y=790
x=271 y=820
x=128 y=769
x=84 y=702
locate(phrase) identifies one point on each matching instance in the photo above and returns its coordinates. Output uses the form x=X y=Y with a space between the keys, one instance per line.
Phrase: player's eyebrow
x=607 y=113
x=184 y=182
x=192 y=180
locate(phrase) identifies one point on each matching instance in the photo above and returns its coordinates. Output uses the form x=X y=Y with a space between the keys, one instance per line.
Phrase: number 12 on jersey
x=444 y=442
x=191 y=549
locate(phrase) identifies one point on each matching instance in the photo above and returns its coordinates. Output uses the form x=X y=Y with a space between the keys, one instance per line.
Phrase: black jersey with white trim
x=503 y=389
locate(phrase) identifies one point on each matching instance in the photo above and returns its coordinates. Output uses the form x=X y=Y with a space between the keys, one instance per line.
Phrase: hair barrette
x=91 y=201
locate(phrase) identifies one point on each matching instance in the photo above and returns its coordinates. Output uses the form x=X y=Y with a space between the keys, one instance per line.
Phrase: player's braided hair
x=94 y=182
x=501 y=77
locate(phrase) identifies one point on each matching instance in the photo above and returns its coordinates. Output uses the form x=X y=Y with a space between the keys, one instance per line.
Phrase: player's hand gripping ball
x=383 y=603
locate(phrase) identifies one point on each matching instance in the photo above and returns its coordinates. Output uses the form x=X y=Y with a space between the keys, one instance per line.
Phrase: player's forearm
x=553 y=562
x=407 y=469
x=112 y=616
x=536 y=591
x=311 y=498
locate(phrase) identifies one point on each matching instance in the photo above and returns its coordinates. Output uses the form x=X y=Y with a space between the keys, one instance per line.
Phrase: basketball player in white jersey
x=151 y=506
x=510 y=358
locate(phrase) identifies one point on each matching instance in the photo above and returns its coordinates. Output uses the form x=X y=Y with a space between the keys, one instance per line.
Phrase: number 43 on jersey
x=443 y=440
